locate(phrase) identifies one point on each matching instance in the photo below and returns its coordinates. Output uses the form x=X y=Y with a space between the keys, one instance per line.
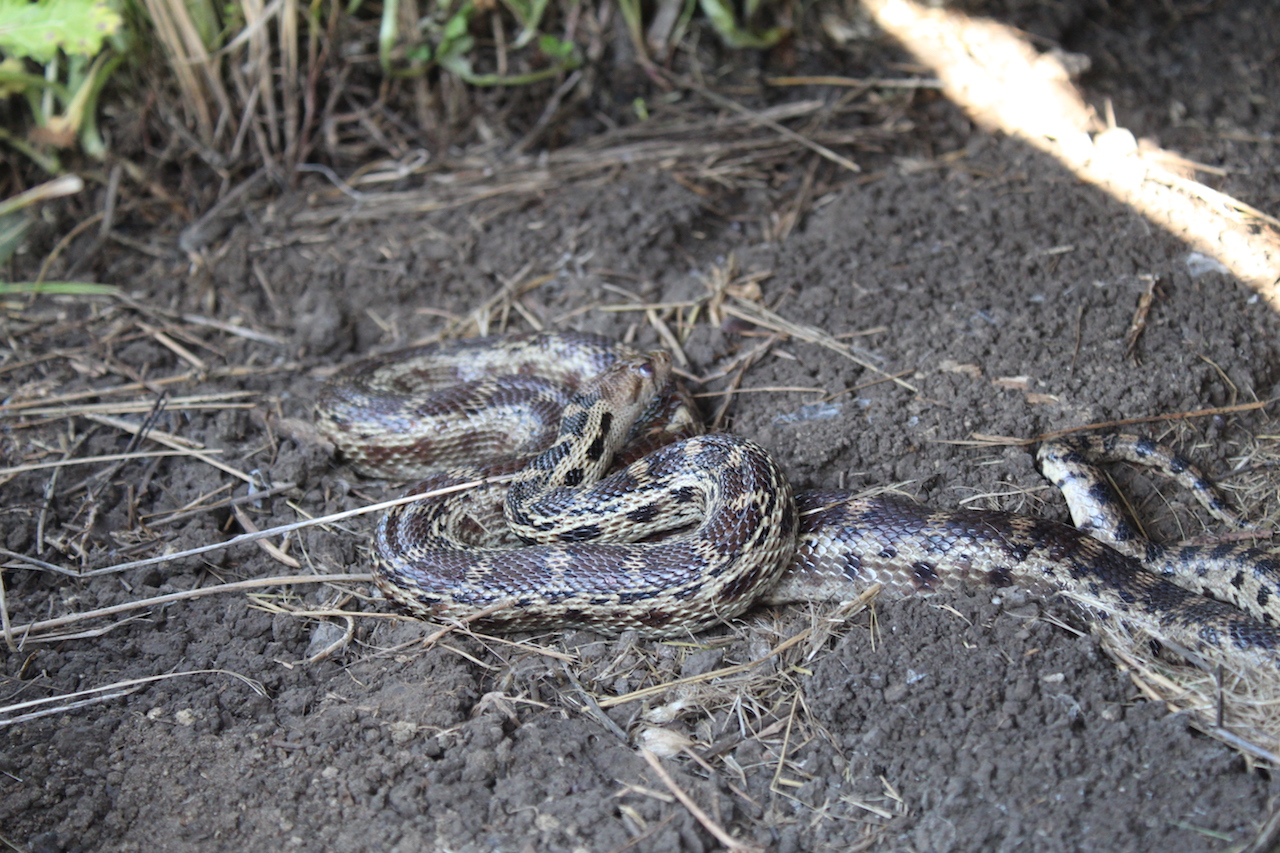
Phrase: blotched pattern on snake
x=619 y=514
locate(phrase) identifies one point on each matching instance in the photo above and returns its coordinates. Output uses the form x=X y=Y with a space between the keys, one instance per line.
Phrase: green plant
x=722 y=15
x=15 y=212
x=724 y=19
x=66 y=37
x=444 y=39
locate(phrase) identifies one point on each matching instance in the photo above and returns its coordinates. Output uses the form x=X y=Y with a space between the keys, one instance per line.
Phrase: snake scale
x=615 y=512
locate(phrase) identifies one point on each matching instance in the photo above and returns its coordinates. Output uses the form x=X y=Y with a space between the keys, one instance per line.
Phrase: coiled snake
x=621 y=515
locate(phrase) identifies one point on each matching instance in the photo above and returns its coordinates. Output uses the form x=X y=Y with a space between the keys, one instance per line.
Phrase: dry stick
x=790 y=215
x=88 y=460
x=130 y=388
x=341 y=642
x=463 y=622
x=591 y=706
x=122 y=686
x=273 y=551
x=771 y=389
x=758 y=314
x=66 y=241
x=1172 y=416
x=51 y=490
x=707 y=676
x=648 y=306
x=4 y=619
x=140 y=604
x=197 y=502
x=473 y=182
x=780 y=129
x=734 y=366
x=512 y=289
x=858 y=82
x=66 y=708
x=297 y=525
x=32 y=562
x=187 y=512
x=1139 y=669
x=702 y=817
x=176 y=348
x=786 y=742
x=653 y=828
x=1139 y=321
x=233 y=329
x=985 y=439
x=1268 y=836
x=129 y=407
x=668 y=337
x=169 y=441
x=744 y=364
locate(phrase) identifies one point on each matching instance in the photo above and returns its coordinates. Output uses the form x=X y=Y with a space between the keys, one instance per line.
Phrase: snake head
x=596 y=424
x=639 y=378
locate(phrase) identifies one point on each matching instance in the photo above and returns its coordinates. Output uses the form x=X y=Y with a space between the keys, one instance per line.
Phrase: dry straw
x=1240 y=708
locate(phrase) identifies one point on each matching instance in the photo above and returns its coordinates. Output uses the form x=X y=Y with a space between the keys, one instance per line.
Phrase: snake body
x=620 y=515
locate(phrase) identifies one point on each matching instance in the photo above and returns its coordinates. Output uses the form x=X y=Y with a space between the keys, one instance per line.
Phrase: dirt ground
x=995 y=287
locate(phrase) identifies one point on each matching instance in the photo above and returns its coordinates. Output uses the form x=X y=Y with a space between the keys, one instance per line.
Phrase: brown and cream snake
x=621 y=515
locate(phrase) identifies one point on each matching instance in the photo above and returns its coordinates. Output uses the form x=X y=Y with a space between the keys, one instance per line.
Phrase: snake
x=569 y=482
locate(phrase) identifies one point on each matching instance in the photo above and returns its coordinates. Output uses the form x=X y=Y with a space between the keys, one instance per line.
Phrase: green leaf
x=13 y=229
x=456 y=42
x=519 y=8
x=58 y=187
x=723 y=19
x=529 y=13
x=14 y=80
x=39 y=30
x=387 y=32
x=457 y=26
x=72 y=288
x=557 y=49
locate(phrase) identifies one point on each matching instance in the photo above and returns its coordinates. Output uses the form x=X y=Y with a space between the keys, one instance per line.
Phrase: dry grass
x=1241 y=708
x=717 y=151
x=1238 y=705
x=700 y=719
x=274 y=104
x=259 y=93
x=759 y=699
